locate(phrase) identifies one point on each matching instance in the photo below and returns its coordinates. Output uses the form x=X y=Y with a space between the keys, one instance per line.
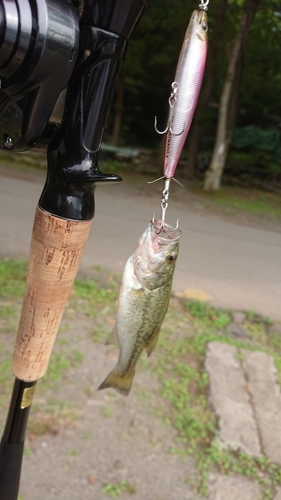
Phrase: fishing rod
x=58 y=65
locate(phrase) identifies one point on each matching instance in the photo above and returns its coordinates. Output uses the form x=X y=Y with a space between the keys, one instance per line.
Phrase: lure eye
x=204 y=26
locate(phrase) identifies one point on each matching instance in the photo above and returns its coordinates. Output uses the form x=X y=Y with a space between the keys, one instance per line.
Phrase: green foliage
x=95 y=293
x=107 y=411
x=252 y=201
x=5 y=376
x=115 y=166
x=262 y=470
x=262 y=65
x=257 y=207
x=60 y=363
x=74 y=453
x=115 y=490
x=197 y=309
x=149 y=67
x=253 y=164
x=27 y=450
x=7 y=311
x=213 y=316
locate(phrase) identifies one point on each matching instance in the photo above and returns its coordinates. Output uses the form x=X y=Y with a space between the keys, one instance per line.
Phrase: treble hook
x=167 y=129
x=161 y=225
x=163 y=177
x=172 y=101
x=158 y=131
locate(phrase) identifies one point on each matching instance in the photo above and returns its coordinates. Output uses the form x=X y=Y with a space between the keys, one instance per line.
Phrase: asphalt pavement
x=226 y=264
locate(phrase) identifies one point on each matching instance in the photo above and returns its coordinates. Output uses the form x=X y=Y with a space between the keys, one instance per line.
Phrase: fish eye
x=171 y=258
x=204 y=26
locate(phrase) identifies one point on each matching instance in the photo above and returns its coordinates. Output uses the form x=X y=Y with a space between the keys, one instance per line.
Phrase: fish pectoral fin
x=149 y=348
x=121 y=383
x=112 y=339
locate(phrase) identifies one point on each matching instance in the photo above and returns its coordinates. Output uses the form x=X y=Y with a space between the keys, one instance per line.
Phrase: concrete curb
x=233 y=488
x=246 y=398
x=230 y=399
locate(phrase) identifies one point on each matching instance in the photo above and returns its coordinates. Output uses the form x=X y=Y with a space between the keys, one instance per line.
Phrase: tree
x=148 y=72
x=227 y=108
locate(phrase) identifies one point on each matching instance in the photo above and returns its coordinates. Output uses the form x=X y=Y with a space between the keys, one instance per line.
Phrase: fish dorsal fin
x=112 y=339
x=149 y=348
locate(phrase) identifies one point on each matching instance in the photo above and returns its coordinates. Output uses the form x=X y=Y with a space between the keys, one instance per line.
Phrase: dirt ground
x=189 y=196
x=80 y=441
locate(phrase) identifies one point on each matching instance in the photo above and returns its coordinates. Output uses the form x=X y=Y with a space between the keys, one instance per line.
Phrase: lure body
x=186 y=88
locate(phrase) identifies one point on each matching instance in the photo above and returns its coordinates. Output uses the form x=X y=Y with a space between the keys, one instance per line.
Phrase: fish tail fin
x=121 y=383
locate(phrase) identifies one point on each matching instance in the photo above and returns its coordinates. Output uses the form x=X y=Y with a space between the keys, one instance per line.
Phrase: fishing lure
x=185 y=88
x=184 y=94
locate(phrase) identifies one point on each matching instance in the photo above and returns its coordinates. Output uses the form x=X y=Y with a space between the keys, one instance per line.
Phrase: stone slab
x=262 y=382
x=238 y=317
x=232 y=488
x=278 y=494
x=237 y=331
x=230 y=399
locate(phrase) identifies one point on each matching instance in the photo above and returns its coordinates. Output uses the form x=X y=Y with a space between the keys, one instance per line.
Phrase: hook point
x=158 y=131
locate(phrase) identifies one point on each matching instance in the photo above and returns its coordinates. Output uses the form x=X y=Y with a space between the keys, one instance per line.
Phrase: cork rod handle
x=56 y=249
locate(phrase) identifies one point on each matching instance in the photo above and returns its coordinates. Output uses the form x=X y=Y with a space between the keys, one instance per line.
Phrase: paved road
x=230 y=265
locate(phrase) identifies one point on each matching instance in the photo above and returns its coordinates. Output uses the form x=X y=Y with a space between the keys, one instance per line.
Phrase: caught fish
x=185 y=88
x=143 y=301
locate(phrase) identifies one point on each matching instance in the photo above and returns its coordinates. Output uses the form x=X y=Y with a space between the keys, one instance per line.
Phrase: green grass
x=7 y=311
x=28 y=162
x=98 y=293
x=115 y=490
x=12 y=278
x=259 y=206
x=6 y=377
x=252 y=201
x=107 y=411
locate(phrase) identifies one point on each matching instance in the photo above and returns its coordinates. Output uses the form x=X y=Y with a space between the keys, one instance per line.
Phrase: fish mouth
x=166 y=234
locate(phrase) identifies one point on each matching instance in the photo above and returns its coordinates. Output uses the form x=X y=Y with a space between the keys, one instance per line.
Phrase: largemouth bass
x=143 y=301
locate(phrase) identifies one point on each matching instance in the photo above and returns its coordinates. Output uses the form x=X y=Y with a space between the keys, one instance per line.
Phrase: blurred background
x=241 y=85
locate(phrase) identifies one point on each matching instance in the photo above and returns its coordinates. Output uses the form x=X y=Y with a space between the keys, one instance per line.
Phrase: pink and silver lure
x=186 y=88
